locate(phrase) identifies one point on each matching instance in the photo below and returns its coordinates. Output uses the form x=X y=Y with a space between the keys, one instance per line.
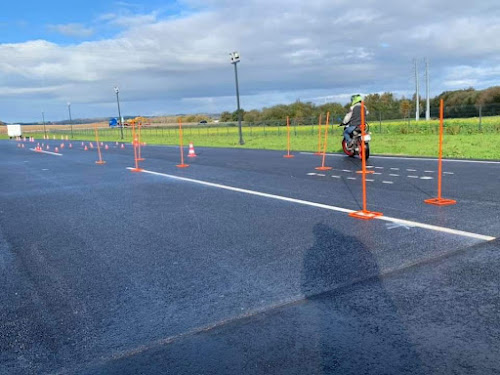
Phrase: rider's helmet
x=356 y=98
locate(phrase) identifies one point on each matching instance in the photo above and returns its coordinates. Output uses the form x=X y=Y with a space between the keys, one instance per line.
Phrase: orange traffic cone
x=56 y=149
x=70 y=145
x=91 y=145
x=62 y=145
x=47 y=148
x=123 y=146
x=86 y=148
x=106 y=147
x=191 y=153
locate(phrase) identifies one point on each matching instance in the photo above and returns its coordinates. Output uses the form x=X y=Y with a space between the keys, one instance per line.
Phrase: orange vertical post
x=181 y=165
x=323 y=168
x=319 y=137
x=440 y=201
x=100 y=161
x=135 y=142
x=288 y=156
x=364 y=213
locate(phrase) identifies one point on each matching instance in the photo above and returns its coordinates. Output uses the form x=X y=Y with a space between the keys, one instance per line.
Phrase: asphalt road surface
x=245 y=263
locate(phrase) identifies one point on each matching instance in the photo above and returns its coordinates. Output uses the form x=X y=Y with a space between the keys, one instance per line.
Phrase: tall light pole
x=117 y=92
x=70 y=123
x=427 y=90
x=235 y=59
x=43 y=121
x=417 y=95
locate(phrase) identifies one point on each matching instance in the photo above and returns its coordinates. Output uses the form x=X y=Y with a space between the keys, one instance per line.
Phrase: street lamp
x=117 y=91
x=43 y=121
x=235 y=59
x=70 y=123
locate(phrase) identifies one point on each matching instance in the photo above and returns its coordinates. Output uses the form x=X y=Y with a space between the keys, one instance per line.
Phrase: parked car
x=203 y=122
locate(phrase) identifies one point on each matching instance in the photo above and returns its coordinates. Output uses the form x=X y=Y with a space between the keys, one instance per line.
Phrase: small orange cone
x=91 y=145
x=86 y=148
x=56 y=149
x=106 y=147
x=62 y=145
x=123 y=146
x=47 y=148
x=191 y=153
x=70 y=145
x=116 y=144
x=83 y=144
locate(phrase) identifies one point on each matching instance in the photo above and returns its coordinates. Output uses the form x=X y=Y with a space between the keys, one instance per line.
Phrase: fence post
x=480 y=117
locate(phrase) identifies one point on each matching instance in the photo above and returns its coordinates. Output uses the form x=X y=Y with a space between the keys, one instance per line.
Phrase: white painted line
x=369 y=166
x=379 y=167
x=393 y=175
x=395 y=169
x=346 y=170
x=387 y=182
x=429 y=171
x=321 y=175
x=448 y=173
x=311 y=174
x=351 y=178
x=46 y=152
x=424 y=159
x=324 y=206
x=411 y=170
x=427 y=178
x=412 y=176
x=336 y=176
x=370 y=180
x=44 y=169
x=377 y=173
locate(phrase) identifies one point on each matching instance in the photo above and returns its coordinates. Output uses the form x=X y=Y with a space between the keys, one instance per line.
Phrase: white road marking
x=412 y=176
x=336 y=176
x=411 y=170
x=319 y=174
x=387 y=182
x=346 y=170
x=393 y=175
x=44 y=169
x=448 y=173
x=379 y=167
x=370 y=180
x=424 y=159
x=311 y=174
x=398 y=225
x=395 y=169
x=429 y=171
x=369 y=166
x=426 y=178
x=351 y=178
x=376 y=173
x=325 y=206
x=46 y=152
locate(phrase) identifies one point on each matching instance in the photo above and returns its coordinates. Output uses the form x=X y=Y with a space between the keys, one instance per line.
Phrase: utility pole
x=417 y=89
x=43 y=121
x=70 y=120
x=120 y=122
x=235 y=59
x=427 y=92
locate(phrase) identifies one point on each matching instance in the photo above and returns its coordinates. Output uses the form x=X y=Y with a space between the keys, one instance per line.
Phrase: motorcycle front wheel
x=348 y=152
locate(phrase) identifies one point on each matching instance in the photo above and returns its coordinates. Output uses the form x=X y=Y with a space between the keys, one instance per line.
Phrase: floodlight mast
x=120 y=122
x=235 y=59
x=70 y=123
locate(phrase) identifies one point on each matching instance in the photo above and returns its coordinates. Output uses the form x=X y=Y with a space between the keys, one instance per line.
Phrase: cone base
x=100 y=162
x=182 y=165
x=141 y=159
x=367 y=172
x=440 y=201
x=365 y=215
x=288 y=156
x=136 y=170
x=323 y=168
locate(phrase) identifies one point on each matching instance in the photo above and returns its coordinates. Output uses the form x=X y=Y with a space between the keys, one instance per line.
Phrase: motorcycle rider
x=353 y=118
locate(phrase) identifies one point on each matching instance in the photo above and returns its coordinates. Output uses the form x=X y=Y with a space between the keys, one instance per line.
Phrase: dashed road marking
x=370 y=180
x=426 y=178
x=377 y=173
x=320 y=175
x=411 y=170
x=428 y=171
x=336 y=176
x=412 y=176
x=379 y=167
x=351 y=178
x=346 y=170
x=448 y=173
x=393 y=175
x=395 y=169
x=311 y=174
x=387 y=182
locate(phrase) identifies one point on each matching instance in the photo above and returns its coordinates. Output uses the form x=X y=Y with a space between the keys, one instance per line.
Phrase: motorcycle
x=355 y=149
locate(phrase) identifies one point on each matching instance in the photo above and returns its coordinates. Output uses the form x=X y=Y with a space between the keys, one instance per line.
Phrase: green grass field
x=463 y=139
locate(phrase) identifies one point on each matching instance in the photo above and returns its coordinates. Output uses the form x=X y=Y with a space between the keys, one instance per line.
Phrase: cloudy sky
x=170 y=57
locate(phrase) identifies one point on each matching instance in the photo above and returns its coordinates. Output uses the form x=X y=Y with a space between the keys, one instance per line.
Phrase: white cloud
x=72 y=30
x=289 y=48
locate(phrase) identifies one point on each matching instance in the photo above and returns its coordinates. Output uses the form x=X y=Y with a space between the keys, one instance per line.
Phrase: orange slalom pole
x=288 y=156
x=134 y=144
x=100 y=161
x=319 y=137
x=323 y=168
x=181 y=165
x=439 y=201
x=364 y=213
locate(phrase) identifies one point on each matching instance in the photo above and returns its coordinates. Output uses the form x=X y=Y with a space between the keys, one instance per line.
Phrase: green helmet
x=356 y=98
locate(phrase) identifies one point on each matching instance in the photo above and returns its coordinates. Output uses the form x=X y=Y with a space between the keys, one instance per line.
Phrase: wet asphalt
x=104 y=271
